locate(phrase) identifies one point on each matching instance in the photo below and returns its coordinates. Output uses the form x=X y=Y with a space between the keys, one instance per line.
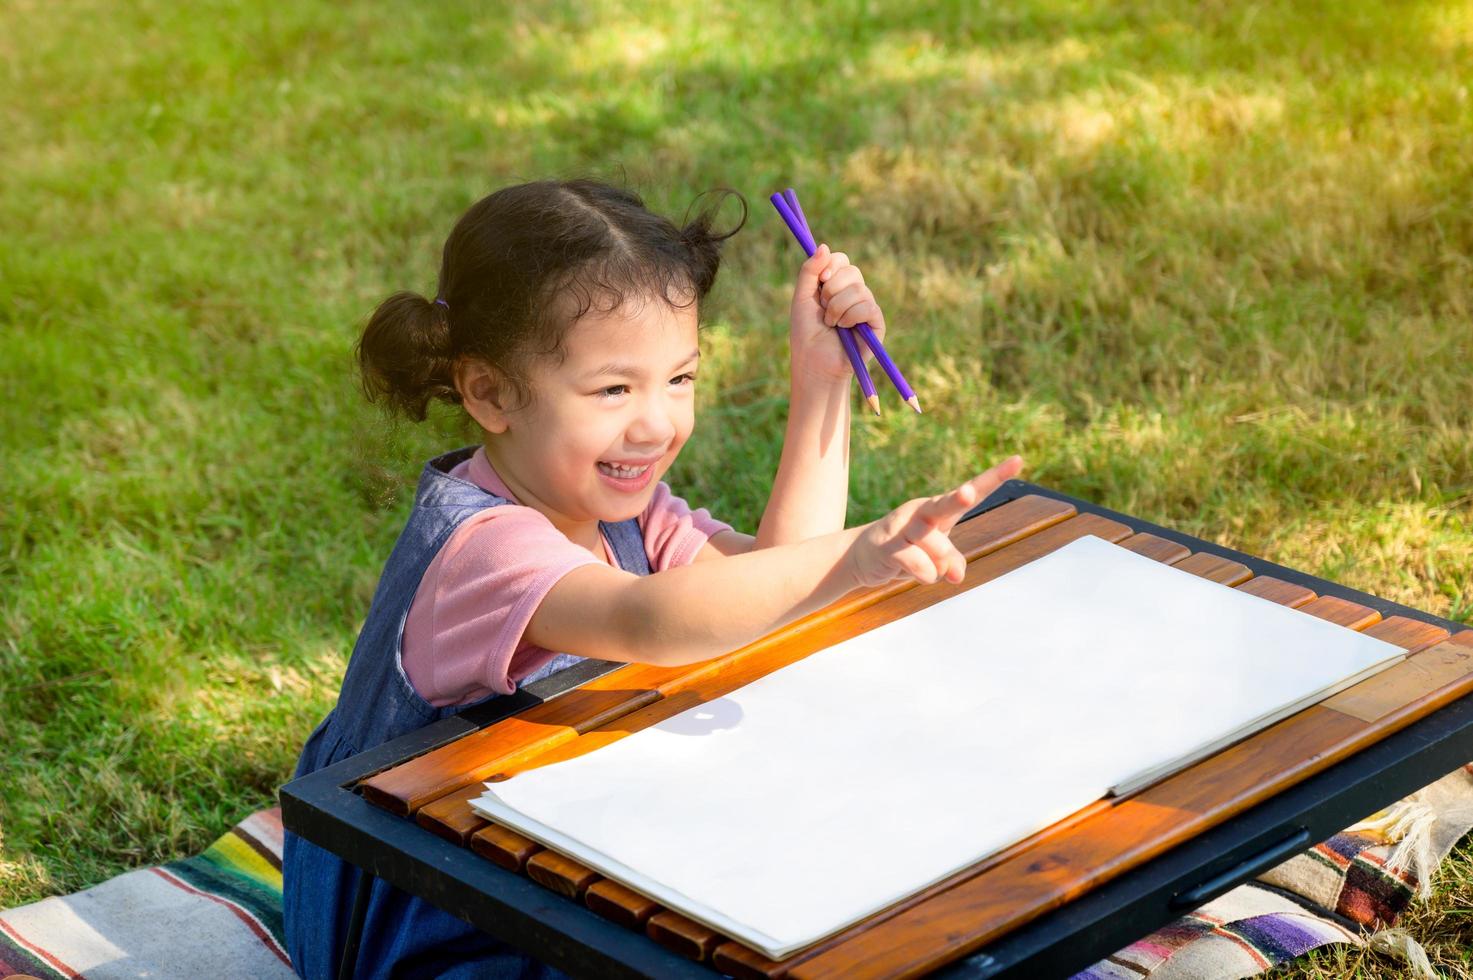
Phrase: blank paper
x=832 y=788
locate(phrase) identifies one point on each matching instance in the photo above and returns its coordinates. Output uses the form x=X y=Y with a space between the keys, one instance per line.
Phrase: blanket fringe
x=1408 y=824
x=1399 y=943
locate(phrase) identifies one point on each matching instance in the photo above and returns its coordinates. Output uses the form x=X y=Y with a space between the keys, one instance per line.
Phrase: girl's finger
x=812 y=268
x=946 y=509
x=1004 y=471
x=845 y=298
x=877 y=323
x=865 y=311
x=936 y=543
x=953 y=567
x=837 y=260
x=916 y=563
x=841 y=278
x=957 y=571
x=986 y=482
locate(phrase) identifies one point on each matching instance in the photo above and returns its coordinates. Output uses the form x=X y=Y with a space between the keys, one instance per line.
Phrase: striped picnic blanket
x=218 y=914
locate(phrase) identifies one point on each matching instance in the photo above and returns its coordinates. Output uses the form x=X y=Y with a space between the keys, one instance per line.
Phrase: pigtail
x=404 y=356
x=703 y=244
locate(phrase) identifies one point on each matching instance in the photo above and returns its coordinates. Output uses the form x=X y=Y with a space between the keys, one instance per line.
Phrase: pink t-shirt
x=463 y=637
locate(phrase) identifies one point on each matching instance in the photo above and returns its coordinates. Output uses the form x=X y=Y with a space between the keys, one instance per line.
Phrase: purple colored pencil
x=791 y=196
x=865 y=330
x=846 y=334
x=892 y=371
x=793 y=217
x=883 y=356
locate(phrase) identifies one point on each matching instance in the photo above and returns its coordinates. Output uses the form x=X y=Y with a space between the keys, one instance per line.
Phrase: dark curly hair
x=518 y=270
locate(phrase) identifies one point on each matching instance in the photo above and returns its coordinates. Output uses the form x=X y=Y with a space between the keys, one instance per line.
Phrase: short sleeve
x=673 y=533
x=465 y=625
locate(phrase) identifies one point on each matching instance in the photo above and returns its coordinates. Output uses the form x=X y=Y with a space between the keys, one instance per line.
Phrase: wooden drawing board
x=972 y=908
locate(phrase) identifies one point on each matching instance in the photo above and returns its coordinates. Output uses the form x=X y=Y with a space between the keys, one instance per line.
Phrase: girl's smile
x=604 y=424
x=628 y=476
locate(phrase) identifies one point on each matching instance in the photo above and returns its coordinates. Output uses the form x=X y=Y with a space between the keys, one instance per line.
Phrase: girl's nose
x=655 y=424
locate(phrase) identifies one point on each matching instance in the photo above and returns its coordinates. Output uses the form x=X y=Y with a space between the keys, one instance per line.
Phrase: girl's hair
x=518 y=270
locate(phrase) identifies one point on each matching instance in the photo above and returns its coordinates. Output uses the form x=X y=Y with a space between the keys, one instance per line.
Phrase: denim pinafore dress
x=403 y=936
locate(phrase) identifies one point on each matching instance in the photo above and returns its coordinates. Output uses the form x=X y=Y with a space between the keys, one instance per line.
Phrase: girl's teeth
x=624 y=472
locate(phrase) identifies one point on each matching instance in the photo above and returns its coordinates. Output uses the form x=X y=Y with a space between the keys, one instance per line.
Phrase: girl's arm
x=705 y=609
x=810 y=494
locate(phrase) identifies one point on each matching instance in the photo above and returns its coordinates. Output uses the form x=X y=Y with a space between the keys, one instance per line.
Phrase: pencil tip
x=874 y=403
x=914 y=403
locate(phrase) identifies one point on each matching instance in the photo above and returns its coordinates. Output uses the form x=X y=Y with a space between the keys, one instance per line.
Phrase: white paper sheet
x=837 y=786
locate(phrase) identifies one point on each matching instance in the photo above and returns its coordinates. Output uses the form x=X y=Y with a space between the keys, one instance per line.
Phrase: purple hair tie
x=441 y=301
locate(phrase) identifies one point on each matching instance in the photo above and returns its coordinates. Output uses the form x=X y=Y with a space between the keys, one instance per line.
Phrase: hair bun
x=404 y=355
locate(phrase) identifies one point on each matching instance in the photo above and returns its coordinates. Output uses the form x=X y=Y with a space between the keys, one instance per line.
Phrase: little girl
x=566 y=326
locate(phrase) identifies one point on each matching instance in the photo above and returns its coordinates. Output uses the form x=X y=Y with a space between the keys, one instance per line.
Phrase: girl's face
x=604 y=425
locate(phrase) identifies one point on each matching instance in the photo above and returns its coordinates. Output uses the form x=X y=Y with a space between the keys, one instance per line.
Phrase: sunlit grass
x=1211 y=265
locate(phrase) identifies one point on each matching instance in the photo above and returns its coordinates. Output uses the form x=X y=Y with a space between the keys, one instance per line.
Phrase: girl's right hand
x=913 y=540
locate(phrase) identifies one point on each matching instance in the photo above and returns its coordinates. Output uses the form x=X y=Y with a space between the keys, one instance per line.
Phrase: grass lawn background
x=1208 y=264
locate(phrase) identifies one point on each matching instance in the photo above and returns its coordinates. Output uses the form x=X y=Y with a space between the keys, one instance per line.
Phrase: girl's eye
x=612 y=391
x=689 y=375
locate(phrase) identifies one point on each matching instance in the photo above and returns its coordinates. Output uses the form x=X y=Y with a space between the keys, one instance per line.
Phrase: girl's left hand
x=830 y=292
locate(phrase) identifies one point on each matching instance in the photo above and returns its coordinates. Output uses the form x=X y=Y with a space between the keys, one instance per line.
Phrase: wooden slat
x=718 y=684
x=1010 y=523
x=1213 y=568
x=1409 y=634
x=1348 y=614
x=406 y=788
x=1277 y=590
x=563 y=875
x=1429 y=669
x=736 y=960
x=685 y=936
x=451 y=816
x=983 y=907
x=409 y=786
x=1154 y=546
x=504 y=846
x=622 y=905
x=600 y=737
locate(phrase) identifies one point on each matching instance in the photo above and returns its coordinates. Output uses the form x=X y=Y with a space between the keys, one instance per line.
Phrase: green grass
x=1209 y=264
